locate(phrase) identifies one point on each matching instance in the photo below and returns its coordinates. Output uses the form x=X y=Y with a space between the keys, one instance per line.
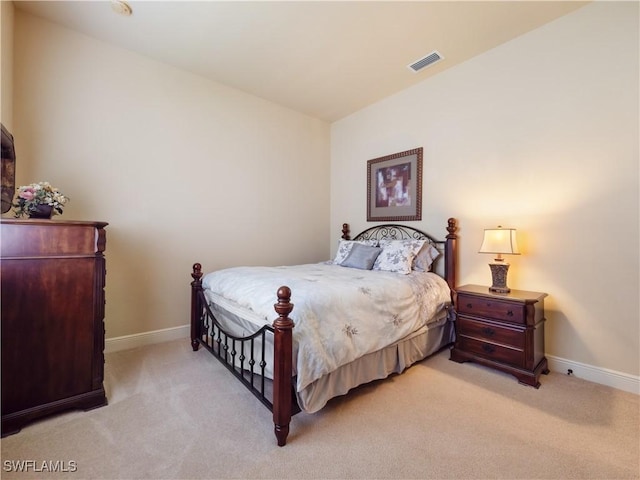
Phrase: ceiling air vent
x=425 y=61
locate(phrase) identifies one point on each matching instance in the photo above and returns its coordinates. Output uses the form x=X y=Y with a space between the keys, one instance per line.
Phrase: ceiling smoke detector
x=425 y=61
x=121 y=8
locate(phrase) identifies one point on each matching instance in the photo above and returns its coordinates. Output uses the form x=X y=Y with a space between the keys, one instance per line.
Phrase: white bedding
x=340 y=313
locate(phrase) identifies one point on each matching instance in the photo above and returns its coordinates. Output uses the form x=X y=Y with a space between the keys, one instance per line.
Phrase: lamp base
x=499 y=277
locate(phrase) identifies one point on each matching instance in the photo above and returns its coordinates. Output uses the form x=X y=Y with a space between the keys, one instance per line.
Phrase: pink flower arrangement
x=29 y=197
x=28 y=193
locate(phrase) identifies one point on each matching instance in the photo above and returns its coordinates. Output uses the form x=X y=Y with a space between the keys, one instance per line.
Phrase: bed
x=381 y=304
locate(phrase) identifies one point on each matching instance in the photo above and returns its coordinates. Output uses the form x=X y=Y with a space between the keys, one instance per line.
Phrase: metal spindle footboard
x=238 y=353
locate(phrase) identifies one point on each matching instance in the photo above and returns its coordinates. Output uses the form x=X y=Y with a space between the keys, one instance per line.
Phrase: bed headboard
x=448 y=246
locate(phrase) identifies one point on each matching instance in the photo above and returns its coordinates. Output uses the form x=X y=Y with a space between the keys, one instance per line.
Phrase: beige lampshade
x=500 y=240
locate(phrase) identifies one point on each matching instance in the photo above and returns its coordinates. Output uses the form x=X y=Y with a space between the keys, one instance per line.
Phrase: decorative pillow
x=397 y=255
x=344 y=247
x=427 y=254
x=361 y=256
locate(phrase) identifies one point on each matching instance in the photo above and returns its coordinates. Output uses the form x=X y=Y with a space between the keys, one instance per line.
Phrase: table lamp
x=500 y=241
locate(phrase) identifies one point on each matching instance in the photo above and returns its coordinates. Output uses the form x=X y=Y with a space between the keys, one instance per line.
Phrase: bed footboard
x=237 y=354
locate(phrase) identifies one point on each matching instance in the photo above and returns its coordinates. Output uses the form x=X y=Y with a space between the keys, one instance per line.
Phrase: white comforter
x=340 y=313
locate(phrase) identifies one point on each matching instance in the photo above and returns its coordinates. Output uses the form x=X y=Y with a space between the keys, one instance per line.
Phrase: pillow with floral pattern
x=397 y=255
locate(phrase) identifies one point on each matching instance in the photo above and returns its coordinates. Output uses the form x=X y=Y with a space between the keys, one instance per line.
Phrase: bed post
x=345 y=231
x=283 y=365
x=196 y=308
x=451 y=254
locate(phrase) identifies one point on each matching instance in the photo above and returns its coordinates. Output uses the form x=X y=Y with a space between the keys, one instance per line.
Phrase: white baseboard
x=603 y=376
x=127 y=342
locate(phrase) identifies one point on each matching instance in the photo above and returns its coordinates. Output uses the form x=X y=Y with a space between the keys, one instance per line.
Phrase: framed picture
x=394 y=187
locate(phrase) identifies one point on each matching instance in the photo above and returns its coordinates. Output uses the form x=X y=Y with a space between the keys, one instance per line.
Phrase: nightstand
x=504 y=331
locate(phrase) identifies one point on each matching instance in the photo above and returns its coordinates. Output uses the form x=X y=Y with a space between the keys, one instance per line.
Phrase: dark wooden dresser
x=504 y=331
x=52 y=280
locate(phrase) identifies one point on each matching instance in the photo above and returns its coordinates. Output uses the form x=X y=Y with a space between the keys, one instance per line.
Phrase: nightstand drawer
x=496 y=309
x=492 y=351
x=490 y=332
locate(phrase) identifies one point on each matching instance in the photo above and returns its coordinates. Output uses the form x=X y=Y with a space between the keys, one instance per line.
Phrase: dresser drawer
x=51 y=238
x=491 y=333
x=492 y=351
x=489 y=308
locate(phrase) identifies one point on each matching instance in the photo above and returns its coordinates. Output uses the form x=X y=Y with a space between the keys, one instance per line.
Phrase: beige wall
x=182 y=168
x=6 y=60
x=540 y=134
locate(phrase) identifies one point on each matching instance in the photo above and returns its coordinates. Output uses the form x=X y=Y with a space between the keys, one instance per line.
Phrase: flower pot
x=41 y=211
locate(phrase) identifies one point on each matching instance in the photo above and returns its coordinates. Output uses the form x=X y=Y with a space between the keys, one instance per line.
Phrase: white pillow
x=425 y=257
x=344 y=247
x=397 y=255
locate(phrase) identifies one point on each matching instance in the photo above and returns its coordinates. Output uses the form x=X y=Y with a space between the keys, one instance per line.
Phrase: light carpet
x=176 y=414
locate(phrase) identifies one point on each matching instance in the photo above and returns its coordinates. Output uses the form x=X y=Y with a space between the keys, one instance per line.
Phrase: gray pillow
x=427 y=254
x=361 y=256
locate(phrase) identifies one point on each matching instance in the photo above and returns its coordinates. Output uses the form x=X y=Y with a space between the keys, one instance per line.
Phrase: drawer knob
x=469 y=305
x=488 y=348
x=510 y=313
x=488 y=331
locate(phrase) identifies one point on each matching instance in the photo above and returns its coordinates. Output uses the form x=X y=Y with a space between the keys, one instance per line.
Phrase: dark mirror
x=8 y=169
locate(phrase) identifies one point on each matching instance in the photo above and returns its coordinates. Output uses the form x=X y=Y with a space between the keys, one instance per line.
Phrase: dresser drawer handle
x=488 y=331
x=488 y=348
x=469 y=305
x=510 y=313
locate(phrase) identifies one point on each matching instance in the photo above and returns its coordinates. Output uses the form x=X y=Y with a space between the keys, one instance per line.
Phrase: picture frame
x=394 y=187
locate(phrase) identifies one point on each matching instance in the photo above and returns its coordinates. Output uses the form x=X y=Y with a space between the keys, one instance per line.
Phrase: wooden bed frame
x=237 y=353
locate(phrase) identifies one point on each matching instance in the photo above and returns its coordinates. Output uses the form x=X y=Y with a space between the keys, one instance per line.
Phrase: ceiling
x=326 y=59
